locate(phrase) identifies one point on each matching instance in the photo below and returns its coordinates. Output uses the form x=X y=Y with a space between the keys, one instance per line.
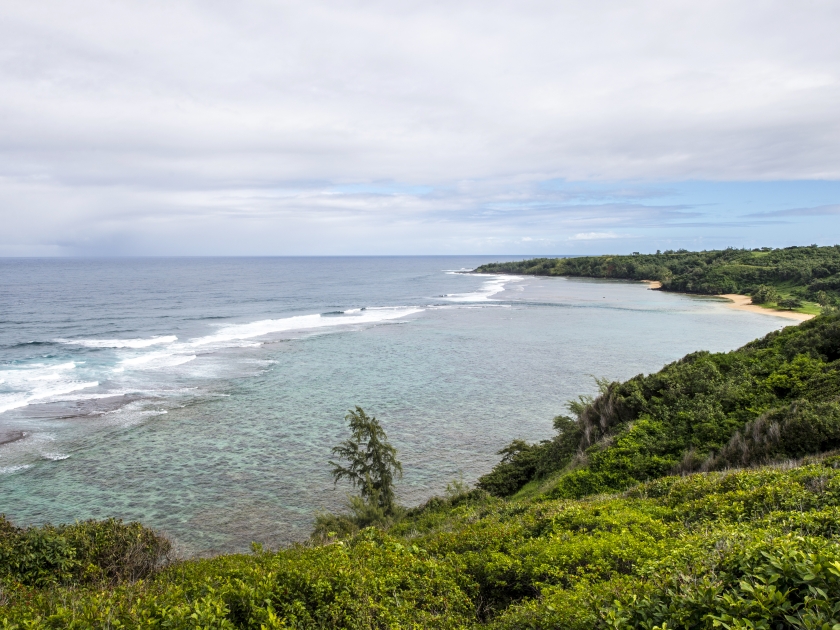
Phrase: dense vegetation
x=775 y=398
x=793 y=274
x=607 y=525
x=89 y=552
x=753 y=549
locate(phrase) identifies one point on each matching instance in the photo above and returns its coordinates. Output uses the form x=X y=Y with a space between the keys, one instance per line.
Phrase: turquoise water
x=202 y=396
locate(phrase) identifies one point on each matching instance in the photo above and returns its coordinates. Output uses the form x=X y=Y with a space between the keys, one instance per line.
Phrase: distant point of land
x=794 y=282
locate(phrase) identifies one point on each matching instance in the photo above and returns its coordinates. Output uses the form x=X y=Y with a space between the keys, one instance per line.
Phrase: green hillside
x=706 y=495
x=775 y=398
x=808 y=275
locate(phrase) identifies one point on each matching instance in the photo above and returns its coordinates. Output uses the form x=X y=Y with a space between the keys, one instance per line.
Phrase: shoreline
x=742 y=303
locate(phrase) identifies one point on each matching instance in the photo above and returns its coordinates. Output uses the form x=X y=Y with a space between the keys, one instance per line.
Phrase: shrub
x=85 y=552
x=790 y=303
x=764 y=295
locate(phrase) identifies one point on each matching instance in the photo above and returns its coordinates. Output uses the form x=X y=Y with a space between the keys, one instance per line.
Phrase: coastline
x=742 y=303
x=698 y=273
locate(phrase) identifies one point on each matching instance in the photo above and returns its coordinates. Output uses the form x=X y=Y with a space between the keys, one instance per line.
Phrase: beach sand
x=742 y=303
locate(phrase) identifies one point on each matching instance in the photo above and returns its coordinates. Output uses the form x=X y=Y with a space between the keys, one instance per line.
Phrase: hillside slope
x=751 y=549
x=777 y=397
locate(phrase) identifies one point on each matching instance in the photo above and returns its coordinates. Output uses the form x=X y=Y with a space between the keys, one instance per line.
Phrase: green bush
x=765 y=295
x=695 y=551
x=85 y=552
x=519 y=464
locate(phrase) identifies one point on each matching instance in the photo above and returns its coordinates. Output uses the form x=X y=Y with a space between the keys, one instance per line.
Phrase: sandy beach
x=742 y=303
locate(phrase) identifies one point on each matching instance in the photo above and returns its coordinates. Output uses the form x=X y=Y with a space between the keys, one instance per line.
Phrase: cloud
x=817 y=211
x=283 y=127
x=593 y=236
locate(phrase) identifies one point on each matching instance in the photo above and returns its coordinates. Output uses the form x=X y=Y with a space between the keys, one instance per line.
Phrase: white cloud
x=593 y=236
x=182 y=125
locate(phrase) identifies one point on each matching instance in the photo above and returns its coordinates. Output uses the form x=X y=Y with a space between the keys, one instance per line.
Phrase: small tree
x=765 y=294
x=790 y=303
x=372 y=461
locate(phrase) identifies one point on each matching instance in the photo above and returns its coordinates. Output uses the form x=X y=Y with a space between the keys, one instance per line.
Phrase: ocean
x=202 y=396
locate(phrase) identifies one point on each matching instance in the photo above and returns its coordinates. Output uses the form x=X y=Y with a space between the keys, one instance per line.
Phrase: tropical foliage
x=794 y=273
x=84 y=553
x=775 y=398
x=751 y=549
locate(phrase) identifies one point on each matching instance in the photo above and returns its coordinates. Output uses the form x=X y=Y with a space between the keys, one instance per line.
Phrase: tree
x=372 y=461
x=790 y=303
x=765 y=294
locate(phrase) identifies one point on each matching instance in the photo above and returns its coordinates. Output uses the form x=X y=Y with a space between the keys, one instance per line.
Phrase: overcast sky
x=285 y=128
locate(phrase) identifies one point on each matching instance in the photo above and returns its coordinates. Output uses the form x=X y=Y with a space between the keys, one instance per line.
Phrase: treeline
x=775 y=398
x=804 y=273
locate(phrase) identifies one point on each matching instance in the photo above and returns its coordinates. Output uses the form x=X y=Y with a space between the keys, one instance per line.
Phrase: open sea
x=202 y=396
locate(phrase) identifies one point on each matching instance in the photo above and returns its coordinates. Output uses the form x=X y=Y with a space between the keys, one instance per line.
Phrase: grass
x=807 y=308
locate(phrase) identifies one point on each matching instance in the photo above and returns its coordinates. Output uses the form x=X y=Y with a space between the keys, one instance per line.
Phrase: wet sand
x=742 y=303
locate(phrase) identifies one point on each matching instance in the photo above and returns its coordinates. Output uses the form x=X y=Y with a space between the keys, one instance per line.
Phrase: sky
x=377 y=128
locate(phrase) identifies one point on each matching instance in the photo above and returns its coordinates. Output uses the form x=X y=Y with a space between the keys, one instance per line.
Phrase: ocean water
x=202 y=396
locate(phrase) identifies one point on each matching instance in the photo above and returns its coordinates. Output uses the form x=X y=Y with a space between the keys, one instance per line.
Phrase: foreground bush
x=371 y=581
x=89 y=551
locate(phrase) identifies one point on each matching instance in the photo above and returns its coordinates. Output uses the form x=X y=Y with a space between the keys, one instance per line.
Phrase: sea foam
x=15 y=400
x=119 y=343
x=38 y=383
x=7 y=470
x=494 y=285
x=41 y=382
x=156 y=360
x=243 y=335
x=233 y=334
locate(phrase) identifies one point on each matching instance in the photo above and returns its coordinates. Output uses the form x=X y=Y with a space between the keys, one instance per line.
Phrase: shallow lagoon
x=182 y=393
